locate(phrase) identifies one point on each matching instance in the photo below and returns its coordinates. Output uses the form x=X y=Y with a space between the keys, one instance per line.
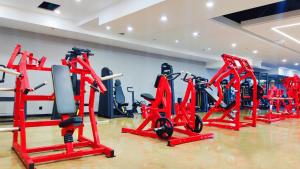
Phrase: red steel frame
x=239 y=69
x=275 y=99
x=29 y=62
x=292 y=86
x=185 y=115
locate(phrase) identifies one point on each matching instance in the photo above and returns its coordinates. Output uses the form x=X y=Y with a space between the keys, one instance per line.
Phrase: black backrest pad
x=157 y=81
x=63 y=90
x=119 y=95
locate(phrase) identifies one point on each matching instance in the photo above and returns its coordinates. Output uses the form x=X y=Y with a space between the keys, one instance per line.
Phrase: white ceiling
x=88 y=19
x=263 y=28
x=70 y=9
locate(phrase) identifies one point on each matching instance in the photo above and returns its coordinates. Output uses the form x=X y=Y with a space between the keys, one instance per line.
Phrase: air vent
x=48 y=6
x=262 y=11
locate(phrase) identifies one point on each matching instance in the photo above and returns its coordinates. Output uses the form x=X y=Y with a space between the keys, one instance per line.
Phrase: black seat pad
x=72 y=121
x=147 y=96
x=124 y=104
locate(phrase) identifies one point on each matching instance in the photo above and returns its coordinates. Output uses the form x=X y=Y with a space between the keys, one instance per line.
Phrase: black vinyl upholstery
x=157 y=81
x=119 y=95
x=63 y=90
x=147 y=96
x=64 y=96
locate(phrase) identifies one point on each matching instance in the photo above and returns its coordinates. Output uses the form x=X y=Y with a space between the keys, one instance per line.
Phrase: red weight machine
x=71 y=117
x=162 y=123
x=229 y=116
x=275 y=97
x=292 y=86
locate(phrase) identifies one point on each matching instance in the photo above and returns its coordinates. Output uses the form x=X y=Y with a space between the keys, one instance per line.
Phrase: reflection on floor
x=275 y=146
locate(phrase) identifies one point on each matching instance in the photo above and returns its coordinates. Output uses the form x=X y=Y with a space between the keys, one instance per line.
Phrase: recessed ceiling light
x=129 y=29
x=195 y=34
x=210 y=4
x=255 y=51
x=284 y=60
x=57 y=11
x=296 y=64
x=108 y=27
x=208 y=49
x=176 y=41
x=233 y=45
x=78 y=0
x=164 y=18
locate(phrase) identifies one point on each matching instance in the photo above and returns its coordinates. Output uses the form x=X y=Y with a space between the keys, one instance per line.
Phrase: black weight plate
x=163 y=128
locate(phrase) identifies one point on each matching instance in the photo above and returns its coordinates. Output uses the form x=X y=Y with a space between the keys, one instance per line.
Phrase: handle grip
x=39 y=86
x=111 y=76
x=130 y=89
x=10 y=71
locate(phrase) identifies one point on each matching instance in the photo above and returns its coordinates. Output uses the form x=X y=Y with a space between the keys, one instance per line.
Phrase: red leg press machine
x=71 y=117
x=228 y=116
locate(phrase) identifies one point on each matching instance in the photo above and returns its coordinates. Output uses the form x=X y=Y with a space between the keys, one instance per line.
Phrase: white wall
x=139 y=69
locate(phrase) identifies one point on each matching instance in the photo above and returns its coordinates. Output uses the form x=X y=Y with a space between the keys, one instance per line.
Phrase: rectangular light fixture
x=277 y=29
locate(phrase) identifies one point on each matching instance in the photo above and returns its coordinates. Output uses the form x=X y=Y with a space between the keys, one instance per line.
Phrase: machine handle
x=26 y=91
x=173 y=76
x=95 y=88
x=3 y=75
x=39 y=86
x=7 y=89
x=10 y=71
x=111 y=76
x=130 y=89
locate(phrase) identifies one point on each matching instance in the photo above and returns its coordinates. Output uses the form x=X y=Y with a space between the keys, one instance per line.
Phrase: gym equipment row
x=175 y=122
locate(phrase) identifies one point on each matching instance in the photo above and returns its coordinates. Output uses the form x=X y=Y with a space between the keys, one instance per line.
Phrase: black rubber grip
x=39 y=86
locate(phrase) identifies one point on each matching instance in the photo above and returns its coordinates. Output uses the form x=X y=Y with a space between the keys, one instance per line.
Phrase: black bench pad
x=147 y=96
x=63 y=90
x=72 y=121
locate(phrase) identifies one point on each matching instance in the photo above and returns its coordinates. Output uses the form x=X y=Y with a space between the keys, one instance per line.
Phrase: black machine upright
x=112 y=104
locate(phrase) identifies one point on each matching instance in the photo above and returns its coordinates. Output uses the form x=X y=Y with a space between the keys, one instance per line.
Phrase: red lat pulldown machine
x=162 y=123
x=71 y=118
x=228 y=116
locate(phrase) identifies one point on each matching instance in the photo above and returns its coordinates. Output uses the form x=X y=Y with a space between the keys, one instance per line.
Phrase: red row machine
x=158 y=114
x=71 y=116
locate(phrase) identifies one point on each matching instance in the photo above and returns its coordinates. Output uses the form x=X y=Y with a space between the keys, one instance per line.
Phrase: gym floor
x=264 y=147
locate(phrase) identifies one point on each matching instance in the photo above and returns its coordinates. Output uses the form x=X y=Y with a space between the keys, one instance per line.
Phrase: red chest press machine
x=229 y=116
x=71 y=118
x=162 y=123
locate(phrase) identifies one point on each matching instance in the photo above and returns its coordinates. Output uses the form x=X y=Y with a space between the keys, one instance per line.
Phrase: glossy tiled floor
x=275 y=146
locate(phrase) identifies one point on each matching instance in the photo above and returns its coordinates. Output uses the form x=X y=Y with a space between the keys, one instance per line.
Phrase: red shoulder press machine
x=229 y=116
x=71 y=119
x=162 y=123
